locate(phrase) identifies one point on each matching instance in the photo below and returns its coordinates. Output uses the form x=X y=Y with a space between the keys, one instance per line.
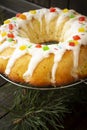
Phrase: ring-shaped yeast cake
x=26 y=56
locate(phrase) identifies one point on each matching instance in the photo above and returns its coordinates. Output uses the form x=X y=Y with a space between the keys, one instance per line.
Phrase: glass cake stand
x=23 y=85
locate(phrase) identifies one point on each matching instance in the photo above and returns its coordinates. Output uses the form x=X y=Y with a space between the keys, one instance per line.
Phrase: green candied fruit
x=10 y=39
x=72 y=16
x=45 y=48
x=14 y=18
x=29 y=46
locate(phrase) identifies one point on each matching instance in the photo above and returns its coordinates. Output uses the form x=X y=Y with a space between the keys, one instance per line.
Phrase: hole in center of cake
x=49 y=43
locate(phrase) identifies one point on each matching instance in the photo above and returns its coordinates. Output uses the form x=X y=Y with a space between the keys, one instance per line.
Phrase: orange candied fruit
x=18 y=14
x=22 y=16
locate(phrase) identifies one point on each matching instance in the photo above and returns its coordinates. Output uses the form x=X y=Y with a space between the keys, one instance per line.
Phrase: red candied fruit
x=82 y=18
x=38 y=46
x=71 y=43
x=76 y=37
x=11 y=26
x=52 y=9
x=10 y=35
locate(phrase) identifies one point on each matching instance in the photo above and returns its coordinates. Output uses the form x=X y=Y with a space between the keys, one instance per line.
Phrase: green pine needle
x=37 y=110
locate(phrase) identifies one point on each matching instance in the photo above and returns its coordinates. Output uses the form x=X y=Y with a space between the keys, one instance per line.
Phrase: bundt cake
x=44 y=47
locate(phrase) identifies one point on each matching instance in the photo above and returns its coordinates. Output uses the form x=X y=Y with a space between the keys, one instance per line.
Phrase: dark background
x=25 y=5
x=79 y=5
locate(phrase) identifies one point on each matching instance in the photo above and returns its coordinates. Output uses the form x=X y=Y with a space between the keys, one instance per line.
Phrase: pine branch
x=37 y=110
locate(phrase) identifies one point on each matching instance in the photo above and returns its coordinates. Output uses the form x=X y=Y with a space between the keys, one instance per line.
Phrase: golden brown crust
x=82 y=68
x=19 y=68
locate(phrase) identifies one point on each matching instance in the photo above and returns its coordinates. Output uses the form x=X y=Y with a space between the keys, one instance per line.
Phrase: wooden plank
x=6 y=97
x=2 y=82
x=5 y=122
x=59 y=3
x=19 y=5
x=5 y=13
x=51 y=3
x=30 y=0
x=43 y=3
x=79 y=5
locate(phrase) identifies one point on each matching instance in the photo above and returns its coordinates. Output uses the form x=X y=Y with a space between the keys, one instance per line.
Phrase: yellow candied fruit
x=81 y=29
x=33 y=11
x=22 y=16
x=23 y=47
x=76 y=42
x=3 y=34
x=7 y=21
x=65 y=10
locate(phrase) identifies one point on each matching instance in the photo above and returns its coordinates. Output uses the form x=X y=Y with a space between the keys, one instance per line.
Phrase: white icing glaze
x=62 y=16
x=57 y=59
x=17 y=54
x=37 y=57
x=76 y=59
x=4 y=46
x=38 y=54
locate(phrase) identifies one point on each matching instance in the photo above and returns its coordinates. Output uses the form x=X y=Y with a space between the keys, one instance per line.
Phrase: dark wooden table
x=6 y=101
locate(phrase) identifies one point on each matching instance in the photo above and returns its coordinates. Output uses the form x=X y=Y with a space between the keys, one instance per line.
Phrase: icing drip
x=57 y=59
x=4 y=46
x=62 y=16
x=37 y=57
x=76 y=59
x=48 y=17
x=17 y=54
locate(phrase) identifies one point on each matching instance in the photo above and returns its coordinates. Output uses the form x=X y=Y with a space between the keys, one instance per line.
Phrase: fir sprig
x=37 y=110
x=43 y=110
